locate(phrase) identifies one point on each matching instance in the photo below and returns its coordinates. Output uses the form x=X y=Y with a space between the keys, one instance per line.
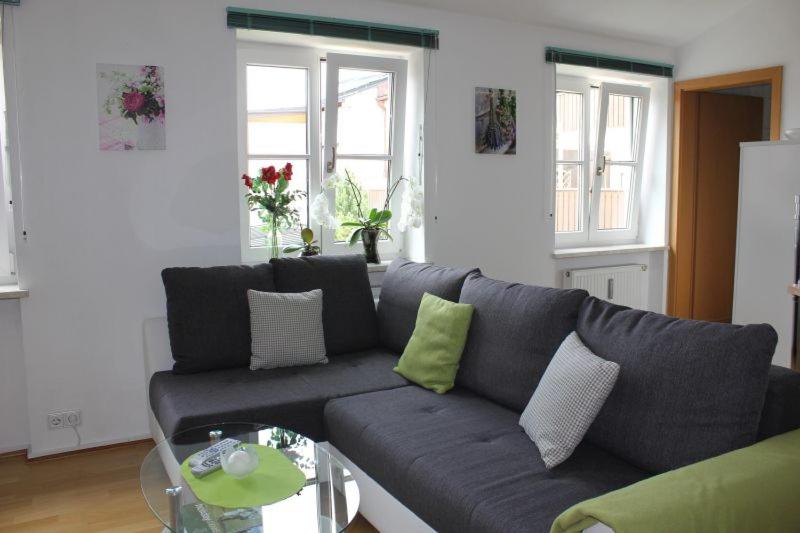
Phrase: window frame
x=287 y=57
x=581 y=86
x=395 y=157
x=590 y=234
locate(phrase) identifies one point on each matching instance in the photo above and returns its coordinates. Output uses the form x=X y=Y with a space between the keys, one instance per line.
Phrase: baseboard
x=13 y=453
x=88 y=448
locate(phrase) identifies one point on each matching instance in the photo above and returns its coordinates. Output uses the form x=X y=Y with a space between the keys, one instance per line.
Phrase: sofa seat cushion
x=516 y=329
x=348 y=307
x=293 y=398
x=462 y=463
x=687 y=390
x=401 y=293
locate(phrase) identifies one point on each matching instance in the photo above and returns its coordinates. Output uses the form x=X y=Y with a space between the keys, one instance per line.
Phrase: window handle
x=602 y=168
x=331 y=166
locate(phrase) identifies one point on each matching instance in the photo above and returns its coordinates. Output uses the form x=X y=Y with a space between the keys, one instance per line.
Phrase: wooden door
x=723 y=121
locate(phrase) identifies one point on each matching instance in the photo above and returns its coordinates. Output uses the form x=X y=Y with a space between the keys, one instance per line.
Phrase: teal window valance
x=588 y=59
x=254 y=19
x=10 y=2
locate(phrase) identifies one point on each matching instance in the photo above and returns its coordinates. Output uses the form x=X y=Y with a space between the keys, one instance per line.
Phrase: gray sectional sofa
x=460 y=461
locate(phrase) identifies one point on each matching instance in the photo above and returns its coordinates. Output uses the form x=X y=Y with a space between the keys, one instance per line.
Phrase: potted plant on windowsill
x=369 y=228
x=309 y=246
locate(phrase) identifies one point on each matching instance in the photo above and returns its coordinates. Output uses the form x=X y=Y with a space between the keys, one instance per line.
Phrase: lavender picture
x=131 y=110
x=495 y=121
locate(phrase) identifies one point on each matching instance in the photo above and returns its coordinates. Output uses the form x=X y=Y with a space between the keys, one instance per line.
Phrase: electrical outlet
x=55 y=421
x=65 y=419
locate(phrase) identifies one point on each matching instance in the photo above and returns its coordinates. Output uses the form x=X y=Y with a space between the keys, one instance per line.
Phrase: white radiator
x=623 y=285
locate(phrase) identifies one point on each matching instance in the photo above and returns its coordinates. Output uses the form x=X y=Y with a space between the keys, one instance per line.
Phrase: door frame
x=684 y=175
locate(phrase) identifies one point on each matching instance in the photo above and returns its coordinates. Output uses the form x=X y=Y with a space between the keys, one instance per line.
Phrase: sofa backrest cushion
x=401 y=293
x=515 y=331
x=208 y=315
x=781 y=412
x=687 y=390
x=348 y=308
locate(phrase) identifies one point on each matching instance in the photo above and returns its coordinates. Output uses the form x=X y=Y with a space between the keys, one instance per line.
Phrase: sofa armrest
x=750 y=489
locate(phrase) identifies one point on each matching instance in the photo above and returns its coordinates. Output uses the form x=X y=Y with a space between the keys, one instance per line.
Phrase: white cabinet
x=769 y=179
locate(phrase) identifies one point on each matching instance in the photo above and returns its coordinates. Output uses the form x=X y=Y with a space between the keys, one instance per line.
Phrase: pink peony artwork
x=131 y=107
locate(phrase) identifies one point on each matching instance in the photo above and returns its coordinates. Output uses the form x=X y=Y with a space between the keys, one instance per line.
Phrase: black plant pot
x=369 y=237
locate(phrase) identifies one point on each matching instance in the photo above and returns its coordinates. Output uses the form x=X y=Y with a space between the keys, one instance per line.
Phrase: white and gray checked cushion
x=571 y=392
x=286 y=329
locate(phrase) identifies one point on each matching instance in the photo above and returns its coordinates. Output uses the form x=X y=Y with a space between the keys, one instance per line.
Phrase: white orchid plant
x=411 y=205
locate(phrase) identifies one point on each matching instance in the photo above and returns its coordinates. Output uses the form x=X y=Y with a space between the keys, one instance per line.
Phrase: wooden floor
x=86 y=492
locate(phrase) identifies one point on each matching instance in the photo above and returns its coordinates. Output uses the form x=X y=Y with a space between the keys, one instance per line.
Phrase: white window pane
x=371 y=178
x=277 y=110
x=615 y=197
x=622 y=127
x=365 y=112
x=569 y=126
x=569 y=197
x=258 y=230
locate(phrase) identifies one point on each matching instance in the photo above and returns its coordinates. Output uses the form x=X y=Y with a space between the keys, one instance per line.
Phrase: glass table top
x=327 y=503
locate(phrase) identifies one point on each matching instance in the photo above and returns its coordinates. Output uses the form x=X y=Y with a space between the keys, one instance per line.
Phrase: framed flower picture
x=131 y=107
x=495 y=121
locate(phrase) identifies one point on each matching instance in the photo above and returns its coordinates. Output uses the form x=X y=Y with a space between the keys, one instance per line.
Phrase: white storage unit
x=769 y=180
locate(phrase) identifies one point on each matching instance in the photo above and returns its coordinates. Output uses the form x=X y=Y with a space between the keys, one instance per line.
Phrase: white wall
x=763 y=34
x=13 y=396
x=102 y=225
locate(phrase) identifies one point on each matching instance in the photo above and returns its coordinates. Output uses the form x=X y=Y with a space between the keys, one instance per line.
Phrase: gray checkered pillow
x=565 y=403
x=286 y=329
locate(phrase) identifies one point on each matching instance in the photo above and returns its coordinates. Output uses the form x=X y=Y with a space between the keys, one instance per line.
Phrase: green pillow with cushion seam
x=432 y=354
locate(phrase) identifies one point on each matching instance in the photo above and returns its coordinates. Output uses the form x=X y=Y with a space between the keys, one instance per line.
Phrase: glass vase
x=274 y=239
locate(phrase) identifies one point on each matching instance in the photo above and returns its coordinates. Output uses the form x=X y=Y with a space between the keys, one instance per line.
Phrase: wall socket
x=64 y=419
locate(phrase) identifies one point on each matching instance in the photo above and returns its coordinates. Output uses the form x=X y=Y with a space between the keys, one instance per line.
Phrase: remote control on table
x=206 y=461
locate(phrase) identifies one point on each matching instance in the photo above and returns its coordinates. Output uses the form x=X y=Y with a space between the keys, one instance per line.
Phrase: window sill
x=12 y=292
x=588 y=251
x=378 y=267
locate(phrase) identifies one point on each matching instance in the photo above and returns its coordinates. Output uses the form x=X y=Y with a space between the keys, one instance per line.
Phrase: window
x=278 y=126
x=7 y=262
x=361 y=134
x=600 y=137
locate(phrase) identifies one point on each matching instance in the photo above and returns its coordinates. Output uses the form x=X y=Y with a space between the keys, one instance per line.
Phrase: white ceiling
x=665 y=22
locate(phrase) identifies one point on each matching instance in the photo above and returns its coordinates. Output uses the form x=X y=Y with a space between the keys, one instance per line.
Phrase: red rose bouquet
x=270 y=196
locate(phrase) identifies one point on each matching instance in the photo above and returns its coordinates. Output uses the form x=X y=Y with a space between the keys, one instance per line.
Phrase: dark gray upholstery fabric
x=515 y=331
x=348 y=308
x=781 y=411
x=686 y=391
x=208 y=314
x=401 y=292
x=289 y=397
x=462 y=463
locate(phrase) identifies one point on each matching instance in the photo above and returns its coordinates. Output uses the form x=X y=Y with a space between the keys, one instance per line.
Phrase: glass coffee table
x=325 y=503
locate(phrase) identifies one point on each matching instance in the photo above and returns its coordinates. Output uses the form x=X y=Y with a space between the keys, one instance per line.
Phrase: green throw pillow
x=432 y=354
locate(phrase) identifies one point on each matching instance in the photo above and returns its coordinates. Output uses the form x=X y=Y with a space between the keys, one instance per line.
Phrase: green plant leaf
x=292 y=249
x=351 y=224
x=373 y=214
x=384 y=216
x=355 y=236
x=386 y=234
x=307 y=235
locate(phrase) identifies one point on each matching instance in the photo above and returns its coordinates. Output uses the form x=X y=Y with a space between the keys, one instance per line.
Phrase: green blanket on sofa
x=752 y=489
